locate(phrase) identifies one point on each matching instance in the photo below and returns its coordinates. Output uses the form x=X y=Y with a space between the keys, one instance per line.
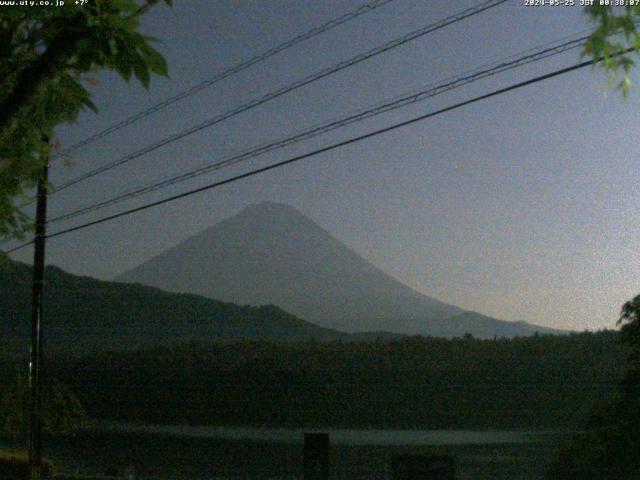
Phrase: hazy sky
x=522 y=207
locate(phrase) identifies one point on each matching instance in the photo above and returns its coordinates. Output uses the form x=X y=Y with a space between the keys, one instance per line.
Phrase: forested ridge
x=83 y=314
x=417 y=382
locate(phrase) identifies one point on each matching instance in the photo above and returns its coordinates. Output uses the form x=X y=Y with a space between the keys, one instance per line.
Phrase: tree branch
x=32 y=77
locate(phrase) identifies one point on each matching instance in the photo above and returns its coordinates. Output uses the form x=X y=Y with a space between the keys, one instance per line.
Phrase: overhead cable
x=319 y=151
x=315 y=31
x=284 y=90
x=327 y=127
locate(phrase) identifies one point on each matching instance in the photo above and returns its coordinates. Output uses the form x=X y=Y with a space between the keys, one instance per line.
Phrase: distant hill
x=482 y=323
x=84 y=314
x=272 y=254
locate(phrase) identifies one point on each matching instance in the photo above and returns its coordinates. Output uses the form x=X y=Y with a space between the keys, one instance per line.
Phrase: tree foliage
x=45 y=54
x=61 y=409
x=615 y=34
x=609 y=447
x=630 y=321
x=544 y=382
x=85 y=314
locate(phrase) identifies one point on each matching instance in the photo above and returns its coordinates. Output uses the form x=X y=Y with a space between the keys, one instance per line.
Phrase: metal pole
x=35 y=365
x=316 y=456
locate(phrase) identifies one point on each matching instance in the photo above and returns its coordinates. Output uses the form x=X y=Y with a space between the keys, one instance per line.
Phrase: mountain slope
x=84 y=314
x=272 y=254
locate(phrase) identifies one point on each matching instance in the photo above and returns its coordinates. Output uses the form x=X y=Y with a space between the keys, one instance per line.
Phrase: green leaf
x=123 y=66
x=126 y=24
x=103 y=34
x=124 y=5
x=154 y=60
x=141 y=70
x=113 y=47
x=625 y=85
x=148 y=38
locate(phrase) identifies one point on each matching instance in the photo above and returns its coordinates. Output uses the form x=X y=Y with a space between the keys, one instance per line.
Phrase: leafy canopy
x=608 y=449
x=630 y=321
x=615 y=34
x=45 y=54
x=61 y=409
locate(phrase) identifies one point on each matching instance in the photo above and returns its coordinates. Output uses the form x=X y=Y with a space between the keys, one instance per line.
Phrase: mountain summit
x=270 y=253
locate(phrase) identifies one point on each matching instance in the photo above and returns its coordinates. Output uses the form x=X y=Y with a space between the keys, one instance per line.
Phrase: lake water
x=199 y=453
x=338 y=436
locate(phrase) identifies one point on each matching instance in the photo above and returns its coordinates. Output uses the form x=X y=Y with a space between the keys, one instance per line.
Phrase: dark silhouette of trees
x=415 y=382
x=609 y=447
x=61 y=412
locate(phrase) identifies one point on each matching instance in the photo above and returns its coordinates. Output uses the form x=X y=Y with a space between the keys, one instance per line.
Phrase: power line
x=15 y=249
x=287 y=89
x=363 y=9
x=537 y=52
x=326 y=149
x=406 y=100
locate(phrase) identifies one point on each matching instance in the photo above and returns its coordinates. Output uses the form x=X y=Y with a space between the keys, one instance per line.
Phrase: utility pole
x=316 y=456
x=35 y=365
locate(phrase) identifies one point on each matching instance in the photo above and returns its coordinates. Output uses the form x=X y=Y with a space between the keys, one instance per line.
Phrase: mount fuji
x=271 y=254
